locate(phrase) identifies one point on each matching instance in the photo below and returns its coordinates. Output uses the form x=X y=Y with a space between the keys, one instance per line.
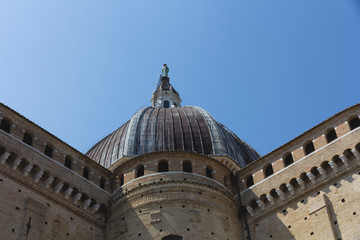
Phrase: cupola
x=165 y=95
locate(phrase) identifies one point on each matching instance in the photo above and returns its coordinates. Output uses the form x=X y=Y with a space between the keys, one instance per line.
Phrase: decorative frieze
x=38 y=175
x=27 y=169
x=16 y=163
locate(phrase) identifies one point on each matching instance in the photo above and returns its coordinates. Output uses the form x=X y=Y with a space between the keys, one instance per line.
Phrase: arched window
x=309 y=148
x=209 y=173
x=163 y=166
x=172 y=237
x=68 y=162
x=140 y=171
x=354 y=123
x=288 y=160
x=102 y=183
x=86 y=173
x=268 y=170
x=187 y=167
x=331 y=136
x=249 y=181
x=5 y=125
x=166 y=104
x=48 y=151
x=27 y=138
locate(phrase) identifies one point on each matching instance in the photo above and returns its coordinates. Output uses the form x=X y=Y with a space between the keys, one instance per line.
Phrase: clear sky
x=268 y=70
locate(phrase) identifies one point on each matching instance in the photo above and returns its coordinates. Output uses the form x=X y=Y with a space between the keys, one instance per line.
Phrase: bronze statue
x=165 y=70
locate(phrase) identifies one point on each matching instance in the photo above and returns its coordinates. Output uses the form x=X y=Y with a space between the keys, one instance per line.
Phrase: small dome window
x=102 y=183
x=140 y=171
x=209 y=172
x=166 y=104
x=163 y=166
x=86 y=173
x=187 y=167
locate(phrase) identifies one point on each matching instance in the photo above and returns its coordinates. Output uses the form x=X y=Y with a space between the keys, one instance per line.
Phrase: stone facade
x=305 y=189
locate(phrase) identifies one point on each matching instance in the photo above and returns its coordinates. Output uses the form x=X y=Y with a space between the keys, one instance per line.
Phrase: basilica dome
x=166 y=126
x=172 y=129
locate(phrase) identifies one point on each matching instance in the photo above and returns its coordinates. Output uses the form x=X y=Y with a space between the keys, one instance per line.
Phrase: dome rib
x=171 y=129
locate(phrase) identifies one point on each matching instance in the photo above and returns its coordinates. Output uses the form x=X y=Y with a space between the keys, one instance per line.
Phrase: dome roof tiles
x=171 y=129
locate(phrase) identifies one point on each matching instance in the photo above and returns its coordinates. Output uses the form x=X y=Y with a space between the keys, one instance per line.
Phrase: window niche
x=86 y=173
x=139 y=171
x=27 y=138
x=354 y=123
x=48 y=151
x=288 y=159
x=309 y=148
x=268 y=171
x=187 y=167
x=5 y=125
x=163 y=166
x=209 y=172
x=331 y=135
x=102 y=183
x=249 y=181
x=68 y=162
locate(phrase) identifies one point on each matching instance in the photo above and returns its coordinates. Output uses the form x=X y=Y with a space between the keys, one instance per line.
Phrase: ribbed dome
x=171 y=129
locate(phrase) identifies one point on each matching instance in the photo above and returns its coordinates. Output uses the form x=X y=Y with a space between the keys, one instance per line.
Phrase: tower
x=165 y=96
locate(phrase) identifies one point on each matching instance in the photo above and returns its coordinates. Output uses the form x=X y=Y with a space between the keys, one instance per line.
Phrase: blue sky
x=268 y=70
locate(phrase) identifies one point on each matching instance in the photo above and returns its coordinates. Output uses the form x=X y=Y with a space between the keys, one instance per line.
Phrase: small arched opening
x=288 y=159
x=331 y=135
x=140 y=171
x=5 y=125
x=209 y=172
x=309 y=148
x=68 y=162
x=336 y=159
x=349 y=155
x=268 y=171
x=48 y=151
x=86 y=173
x=187 y=167
x=326 y=167
x=249 y=181
x=294 y=183
x=27 y=138
x=102 y=183
x=354 y=123
x=315 y=172
x=163 y=166
x=166 y=104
